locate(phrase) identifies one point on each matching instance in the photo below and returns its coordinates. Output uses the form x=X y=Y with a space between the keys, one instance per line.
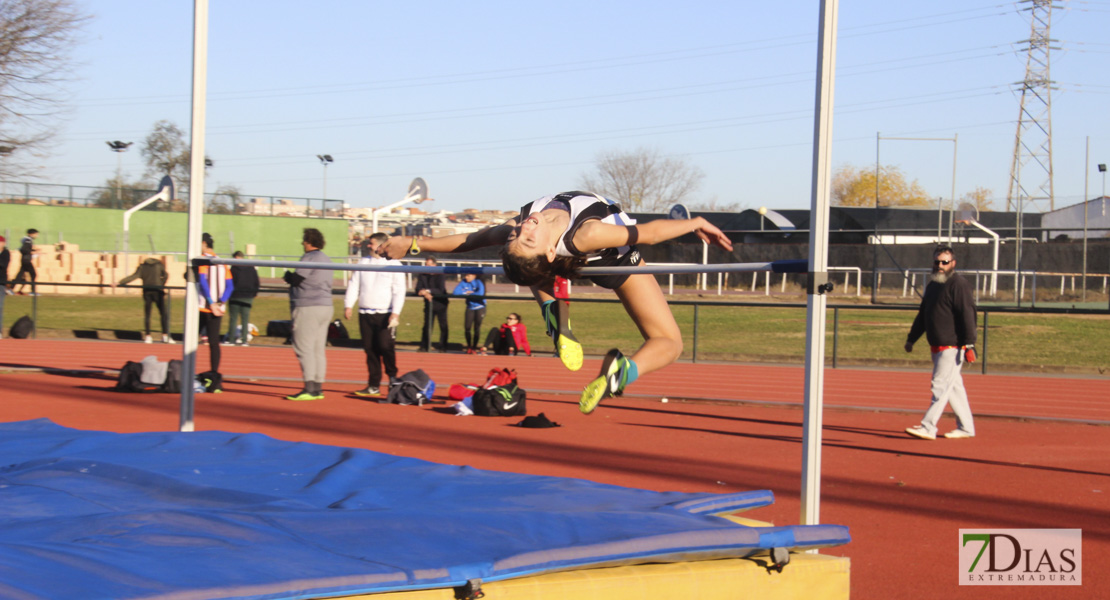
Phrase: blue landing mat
x=87 y=514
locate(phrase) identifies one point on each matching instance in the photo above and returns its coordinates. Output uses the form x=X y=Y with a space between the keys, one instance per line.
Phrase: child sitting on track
x=558 y=235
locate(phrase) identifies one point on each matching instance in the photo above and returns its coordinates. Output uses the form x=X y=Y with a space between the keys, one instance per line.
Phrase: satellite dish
x=418 y=191
x=678 y=211
x=966 y=213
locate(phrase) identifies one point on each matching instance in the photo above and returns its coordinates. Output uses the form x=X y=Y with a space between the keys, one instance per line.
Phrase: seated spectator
x=509 y=339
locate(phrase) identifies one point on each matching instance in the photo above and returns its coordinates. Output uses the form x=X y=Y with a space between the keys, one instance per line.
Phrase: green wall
x=101 y=229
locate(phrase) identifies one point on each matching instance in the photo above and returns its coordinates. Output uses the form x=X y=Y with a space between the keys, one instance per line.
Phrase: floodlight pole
x=325 y=159
x=1086 y=203
x=818 y=265
x=119 y=148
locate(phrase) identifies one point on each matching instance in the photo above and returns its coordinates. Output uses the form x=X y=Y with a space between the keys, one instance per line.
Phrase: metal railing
x=986 y=281
x=983 y=346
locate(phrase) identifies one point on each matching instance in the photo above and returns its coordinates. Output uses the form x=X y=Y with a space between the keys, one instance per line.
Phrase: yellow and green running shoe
x=303 y=395
x=556 y=316
x=611 y=382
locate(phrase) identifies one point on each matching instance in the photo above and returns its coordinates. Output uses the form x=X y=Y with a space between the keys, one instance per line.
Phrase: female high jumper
x=557 y=236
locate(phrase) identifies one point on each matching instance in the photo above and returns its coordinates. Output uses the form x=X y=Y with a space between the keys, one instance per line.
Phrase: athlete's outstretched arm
x=495 y=235
x=595 y=235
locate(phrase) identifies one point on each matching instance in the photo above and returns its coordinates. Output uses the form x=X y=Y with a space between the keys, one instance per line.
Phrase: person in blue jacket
x=475 y=290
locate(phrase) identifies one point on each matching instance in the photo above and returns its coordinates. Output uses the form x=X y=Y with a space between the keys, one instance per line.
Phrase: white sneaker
x=166 y=339
x=958 y=434
x=921 y=432
x=148 y=340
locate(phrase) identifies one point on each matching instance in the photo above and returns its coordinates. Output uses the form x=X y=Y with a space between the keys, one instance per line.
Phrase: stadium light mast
x=325 y=159
x=119 y=148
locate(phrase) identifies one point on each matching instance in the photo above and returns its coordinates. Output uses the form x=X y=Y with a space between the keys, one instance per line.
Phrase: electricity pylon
x=1032 y=160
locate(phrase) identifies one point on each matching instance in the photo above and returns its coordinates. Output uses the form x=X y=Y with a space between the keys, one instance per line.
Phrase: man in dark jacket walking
x=153 y=274
x=947 y=318
x=245 y=279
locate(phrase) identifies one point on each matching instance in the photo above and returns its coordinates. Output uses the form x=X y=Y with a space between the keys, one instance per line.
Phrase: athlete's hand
x=347 y=313
x=711 y=234
x=909 y=346
x=396 y=247
x=969 y=354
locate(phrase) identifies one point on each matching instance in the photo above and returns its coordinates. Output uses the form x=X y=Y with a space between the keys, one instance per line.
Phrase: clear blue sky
x=497 y=103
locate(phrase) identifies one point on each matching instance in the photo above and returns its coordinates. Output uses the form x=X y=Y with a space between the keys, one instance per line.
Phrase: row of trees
x=852 y=186
x=165 y=151
x=649 y=182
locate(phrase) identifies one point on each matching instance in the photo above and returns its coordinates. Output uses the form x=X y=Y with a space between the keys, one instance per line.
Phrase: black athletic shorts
x=611 y=282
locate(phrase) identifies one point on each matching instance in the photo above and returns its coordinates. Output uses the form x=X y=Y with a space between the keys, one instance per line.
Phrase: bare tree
x=980 y=197
x=166 y=152
x=643 y=180
x=225 y=201
x=715 y=205
x=36 y=40
x=117 y=192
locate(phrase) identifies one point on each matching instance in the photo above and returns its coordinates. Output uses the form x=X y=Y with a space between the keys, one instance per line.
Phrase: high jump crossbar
x=778 y=266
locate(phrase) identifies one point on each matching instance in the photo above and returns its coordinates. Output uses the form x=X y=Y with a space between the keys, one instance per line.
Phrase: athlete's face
x=535 y=235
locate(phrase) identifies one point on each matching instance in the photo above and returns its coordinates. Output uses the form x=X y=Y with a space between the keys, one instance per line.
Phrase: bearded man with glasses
x=947 y=317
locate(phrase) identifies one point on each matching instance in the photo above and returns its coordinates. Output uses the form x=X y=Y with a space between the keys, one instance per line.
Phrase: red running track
x=904 y=499
x=1025 y=396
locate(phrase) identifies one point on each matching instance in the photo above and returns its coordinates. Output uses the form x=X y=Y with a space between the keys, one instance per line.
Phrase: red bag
x=461 y=391
x=500 y=377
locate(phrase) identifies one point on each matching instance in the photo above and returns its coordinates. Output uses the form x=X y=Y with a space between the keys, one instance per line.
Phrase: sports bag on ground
x=22 y=327
x=129 y=379
x=279 y=329
x=414 y=387
x=499 y=401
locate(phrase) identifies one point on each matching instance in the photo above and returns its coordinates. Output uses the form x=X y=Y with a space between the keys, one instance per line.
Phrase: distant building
x=1067 y=222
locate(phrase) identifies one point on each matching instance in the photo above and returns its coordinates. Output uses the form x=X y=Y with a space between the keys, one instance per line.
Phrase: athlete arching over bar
x=558 y=235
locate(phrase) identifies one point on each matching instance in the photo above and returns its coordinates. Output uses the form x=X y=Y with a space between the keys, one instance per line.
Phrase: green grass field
x=1016 y=342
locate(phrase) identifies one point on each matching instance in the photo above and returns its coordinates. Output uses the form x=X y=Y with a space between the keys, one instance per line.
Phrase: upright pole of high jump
x=196 y=211
x=818 y=265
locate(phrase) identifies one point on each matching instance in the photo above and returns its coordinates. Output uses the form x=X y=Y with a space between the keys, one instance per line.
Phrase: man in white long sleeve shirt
x=380 y=297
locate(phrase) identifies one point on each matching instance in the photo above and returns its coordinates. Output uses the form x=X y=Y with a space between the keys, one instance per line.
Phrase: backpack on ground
x=499 y=401
x=498 y=377
x=22 y=328
x=338 y=331
x=414 y=387
x=212 y=381
x=129 y=379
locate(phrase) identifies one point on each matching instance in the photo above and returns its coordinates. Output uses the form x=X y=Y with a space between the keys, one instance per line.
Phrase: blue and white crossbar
x=777 y=266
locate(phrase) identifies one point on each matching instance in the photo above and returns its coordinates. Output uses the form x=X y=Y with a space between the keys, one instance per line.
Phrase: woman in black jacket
x=239 y=305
